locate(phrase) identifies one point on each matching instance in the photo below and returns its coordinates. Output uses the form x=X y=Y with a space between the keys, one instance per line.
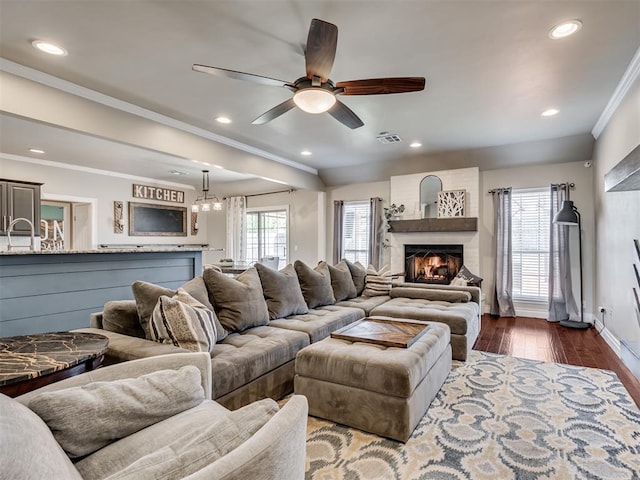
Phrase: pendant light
x=206 y=203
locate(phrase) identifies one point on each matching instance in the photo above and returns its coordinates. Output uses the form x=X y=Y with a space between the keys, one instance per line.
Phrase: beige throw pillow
x=281 y=291
x=315 y=284
x=85 y=419
x=239 y=301
x=378 y=281
x=341 y=281
x=183 y=321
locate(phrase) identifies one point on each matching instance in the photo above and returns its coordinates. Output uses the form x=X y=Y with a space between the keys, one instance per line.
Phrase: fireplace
x=432 y=263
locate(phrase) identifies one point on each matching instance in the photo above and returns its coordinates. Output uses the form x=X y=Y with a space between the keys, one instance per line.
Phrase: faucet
x=10 y=229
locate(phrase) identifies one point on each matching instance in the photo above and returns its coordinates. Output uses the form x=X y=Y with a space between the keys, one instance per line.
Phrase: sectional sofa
x=266 y=317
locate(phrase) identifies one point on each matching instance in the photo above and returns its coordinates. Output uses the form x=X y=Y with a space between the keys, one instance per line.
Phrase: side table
x=28 y=362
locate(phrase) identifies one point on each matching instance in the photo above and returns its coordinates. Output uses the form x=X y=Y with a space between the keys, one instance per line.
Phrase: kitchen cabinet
x=19 y=200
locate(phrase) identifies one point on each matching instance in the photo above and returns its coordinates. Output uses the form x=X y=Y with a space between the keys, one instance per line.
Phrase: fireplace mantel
x=464 y=224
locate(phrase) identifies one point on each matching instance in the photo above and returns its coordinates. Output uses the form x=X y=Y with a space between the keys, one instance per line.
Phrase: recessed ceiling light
x=223 y=120
x=415 y=145
x=565 y=29
x=49 y=48
x=550 y=112
x=178 y=172
x=218 y=166
x=36 y=150
x=195 y=161
x=306 y=153
x=205 y=163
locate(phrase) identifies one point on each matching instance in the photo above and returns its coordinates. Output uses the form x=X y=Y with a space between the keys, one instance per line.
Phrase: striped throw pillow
x=377 y=282
x=183 y=321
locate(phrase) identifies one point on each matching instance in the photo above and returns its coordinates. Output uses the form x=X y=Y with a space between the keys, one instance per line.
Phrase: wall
x=356 y=191
x=541 y=176
x=405 y=189
x=617 y=216
x=104 y=189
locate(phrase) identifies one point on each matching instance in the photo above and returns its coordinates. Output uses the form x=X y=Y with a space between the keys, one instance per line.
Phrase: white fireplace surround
x=405 y=189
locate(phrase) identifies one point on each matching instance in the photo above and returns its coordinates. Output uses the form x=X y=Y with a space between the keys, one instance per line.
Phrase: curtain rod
x=571 y=186
x=291 y=190
x=500 y=189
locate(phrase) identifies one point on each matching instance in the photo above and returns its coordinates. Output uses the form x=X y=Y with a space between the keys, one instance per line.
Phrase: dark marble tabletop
x=30 y=356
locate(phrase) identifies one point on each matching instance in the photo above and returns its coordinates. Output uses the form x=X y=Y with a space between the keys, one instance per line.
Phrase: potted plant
x=393 y=212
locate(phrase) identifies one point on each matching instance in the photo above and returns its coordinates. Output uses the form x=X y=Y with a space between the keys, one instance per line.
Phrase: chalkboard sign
x=147 y=219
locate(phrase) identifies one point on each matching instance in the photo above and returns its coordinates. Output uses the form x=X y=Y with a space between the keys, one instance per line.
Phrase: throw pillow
x=147 y=294
x=281 y=291
x=359 y=275
x=378 y=282
x=121 y=316
x=183 y=321
x=315 y=284
x=239 y=301
x=87 y=418
x=467 y=276
x=191 y=453
x=341 y=281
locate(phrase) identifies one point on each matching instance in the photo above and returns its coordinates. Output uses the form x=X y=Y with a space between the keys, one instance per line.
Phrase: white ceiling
x=490 y=68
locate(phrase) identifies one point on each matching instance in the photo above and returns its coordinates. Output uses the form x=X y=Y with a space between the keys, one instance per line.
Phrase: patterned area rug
x=497 y=418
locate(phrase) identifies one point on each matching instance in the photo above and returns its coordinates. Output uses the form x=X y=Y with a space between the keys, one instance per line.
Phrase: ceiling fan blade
x=250 y=77
x=345 y=115
x=275 y=112
x=381 y=86
x=321 y=49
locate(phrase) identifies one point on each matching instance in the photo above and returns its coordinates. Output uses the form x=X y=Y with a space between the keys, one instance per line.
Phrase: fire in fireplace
x=432 y=263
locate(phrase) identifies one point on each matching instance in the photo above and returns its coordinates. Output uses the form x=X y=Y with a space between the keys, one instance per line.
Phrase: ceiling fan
x=315 y=92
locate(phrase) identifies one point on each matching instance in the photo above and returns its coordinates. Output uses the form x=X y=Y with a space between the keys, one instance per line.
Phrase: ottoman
x=382 y=390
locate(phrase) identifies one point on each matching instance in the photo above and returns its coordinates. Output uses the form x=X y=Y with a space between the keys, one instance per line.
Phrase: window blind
x=530 y=217
x=355 y=231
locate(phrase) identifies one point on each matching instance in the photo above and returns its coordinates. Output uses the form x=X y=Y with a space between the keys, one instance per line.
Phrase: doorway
x=67 y=223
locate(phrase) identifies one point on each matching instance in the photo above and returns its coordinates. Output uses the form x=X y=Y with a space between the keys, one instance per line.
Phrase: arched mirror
x=429 y=188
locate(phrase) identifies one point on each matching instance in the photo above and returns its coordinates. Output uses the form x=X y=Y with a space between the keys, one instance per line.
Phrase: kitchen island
x=52 y=291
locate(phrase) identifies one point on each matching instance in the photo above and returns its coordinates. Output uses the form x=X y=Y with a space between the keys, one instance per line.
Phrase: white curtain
x=236 y=229
x=501 y=298
x=562 y=304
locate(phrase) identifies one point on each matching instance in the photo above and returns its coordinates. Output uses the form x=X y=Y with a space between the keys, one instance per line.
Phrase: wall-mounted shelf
x=466 y=224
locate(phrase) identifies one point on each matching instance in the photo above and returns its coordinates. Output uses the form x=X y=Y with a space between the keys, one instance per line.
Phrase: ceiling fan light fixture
x=314 y=99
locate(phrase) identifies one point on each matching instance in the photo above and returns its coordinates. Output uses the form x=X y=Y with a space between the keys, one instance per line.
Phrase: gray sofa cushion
x=121 y=453
x=239 y=301
x=341 y=281
x=147 y=295
x=315 y=284
x=453 y=296
x=358 y=274
x=207 y=443
x=457 y=315
x=121 y=316
x=29 y=450
x=84 y=419
x=184 y=322
x=281 y=291
x=243 y=357
x=365 y=303
x=319 y=322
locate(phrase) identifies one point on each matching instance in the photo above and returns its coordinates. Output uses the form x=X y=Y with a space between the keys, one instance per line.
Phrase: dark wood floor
x=537 y=339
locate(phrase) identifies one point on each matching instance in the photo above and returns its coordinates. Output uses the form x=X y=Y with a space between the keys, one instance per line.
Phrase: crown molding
x=96 y=171
x=80 y=91
x=630 y=76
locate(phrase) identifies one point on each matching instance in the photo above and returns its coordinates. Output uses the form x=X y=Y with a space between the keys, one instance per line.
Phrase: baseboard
x=608 y=337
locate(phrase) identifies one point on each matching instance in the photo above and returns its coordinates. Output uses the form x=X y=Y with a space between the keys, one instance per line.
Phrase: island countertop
x=117 y=249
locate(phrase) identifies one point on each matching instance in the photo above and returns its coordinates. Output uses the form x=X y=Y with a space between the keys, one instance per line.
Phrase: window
x=267 y=235
x=531 y=216
x=355 y=231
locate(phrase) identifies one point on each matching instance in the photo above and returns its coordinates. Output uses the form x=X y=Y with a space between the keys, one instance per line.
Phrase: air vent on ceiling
x=388 y=138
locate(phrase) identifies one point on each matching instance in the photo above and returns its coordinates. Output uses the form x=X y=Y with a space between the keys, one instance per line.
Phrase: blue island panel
x=55 y=292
